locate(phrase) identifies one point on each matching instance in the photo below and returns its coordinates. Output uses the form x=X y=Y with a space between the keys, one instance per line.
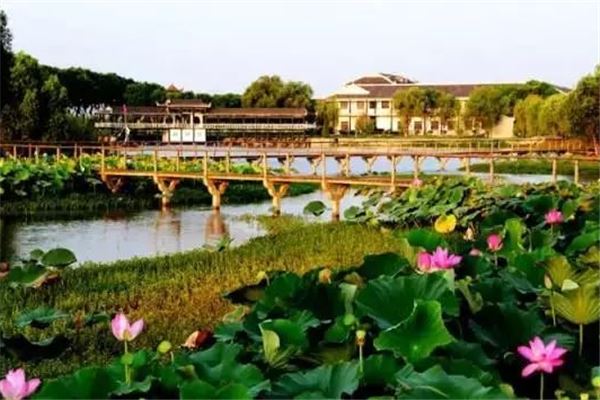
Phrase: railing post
x=102 y=161
x=576 y=171
x=393 y=173
x=155 y=160
x=264 y=165
x=205 y=164
x=492 y=170
x=228 y=162
x=14 y=152
x=29 y=151
x=37 y=153
x=177 y=160
x=554 y=170
x=57 y=152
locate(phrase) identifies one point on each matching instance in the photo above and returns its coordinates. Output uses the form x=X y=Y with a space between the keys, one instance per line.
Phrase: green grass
x=179 y=293
x=588 y=170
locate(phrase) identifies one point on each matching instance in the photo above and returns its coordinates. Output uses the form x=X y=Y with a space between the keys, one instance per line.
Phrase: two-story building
x=371 y=96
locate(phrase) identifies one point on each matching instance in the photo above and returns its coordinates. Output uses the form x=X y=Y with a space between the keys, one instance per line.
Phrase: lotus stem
x=542 y=386
x=496 y=259
x=360 y=359
x=552 y=307
x=127 y=372
x=580 y=339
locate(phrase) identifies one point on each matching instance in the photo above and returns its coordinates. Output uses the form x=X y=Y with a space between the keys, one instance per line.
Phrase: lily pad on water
x=59 y=258
x=40 y=317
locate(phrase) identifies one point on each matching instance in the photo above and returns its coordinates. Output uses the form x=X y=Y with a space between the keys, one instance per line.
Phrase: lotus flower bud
x=547 y=282
x=360 y=337
x=325 y=276
x=164 y=347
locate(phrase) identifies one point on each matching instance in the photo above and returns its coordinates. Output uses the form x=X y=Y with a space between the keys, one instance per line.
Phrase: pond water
x=119 y=235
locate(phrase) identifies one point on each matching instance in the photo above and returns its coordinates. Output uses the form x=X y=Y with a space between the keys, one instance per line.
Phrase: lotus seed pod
x=164 y=347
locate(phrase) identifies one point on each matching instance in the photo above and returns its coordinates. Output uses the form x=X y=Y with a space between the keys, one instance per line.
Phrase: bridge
x=198 y=163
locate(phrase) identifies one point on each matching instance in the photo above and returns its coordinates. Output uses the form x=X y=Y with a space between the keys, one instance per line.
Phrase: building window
x=417 y=126
x=344 y=105
x=372 y=105
x=385 y=104
x=344 y=126
x=360 y=105
x=450 y=125
x=435 y=125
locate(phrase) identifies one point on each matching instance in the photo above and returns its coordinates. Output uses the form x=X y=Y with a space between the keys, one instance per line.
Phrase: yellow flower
x=445 y=223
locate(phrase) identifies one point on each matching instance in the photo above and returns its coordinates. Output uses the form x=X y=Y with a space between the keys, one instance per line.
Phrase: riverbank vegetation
x=475 y=293
x=67 y=185
x=588 y=170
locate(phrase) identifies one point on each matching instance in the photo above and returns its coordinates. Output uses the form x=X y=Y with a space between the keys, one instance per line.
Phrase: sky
x=222 y=46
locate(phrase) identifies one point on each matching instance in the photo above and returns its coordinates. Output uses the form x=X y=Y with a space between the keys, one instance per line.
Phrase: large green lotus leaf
x=219 y=365
x=435 y=383
x=539 y=204
x=580 y=306
x=505 y=326
x=584 y=241
x=416 y=337
x=58 y=258
x=28 y=276
x=391 y=300
x=458 y=366
x=40 y=317
x=473 y=352
x=380 y=370
x=376 y=265
x=328 y=381
x=559 y=269
x=338 y=332
x=513 y=240
x=198 y=389
x=425 y=238
x=86 y=383
x=525 y=263
x=23 y=349
x=290 y=333
x=280 y=293
x=315 y=208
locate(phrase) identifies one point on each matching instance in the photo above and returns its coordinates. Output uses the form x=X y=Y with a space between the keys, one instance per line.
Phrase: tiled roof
x=381 y=79
x=388 y=91
x=134 y=110
x=187 y=103
x=255 y=112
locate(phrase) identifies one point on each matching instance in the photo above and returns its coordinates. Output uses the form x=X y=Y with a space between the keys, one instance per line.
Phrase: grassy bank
x=178 y=293
x=588 y=170
x=190 y=194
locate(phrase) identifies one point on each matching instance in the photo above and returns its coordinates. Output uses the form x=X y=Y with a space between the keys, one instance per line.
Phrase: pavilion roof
x=259 y=112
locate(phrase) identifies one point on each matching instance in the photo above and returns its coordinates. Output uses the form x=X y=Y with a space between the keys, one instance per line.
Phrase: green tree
x=364 y=125
x=527 y=116
x=406 y=103
x=447 y=107
x=272 y=91
x=27 y=119
x=6 y=61
x=227 y=100
x=553 y=116
x=144 y=94
x=582 y=108
x=485 y=106
x=328 y=115
x=55 y=101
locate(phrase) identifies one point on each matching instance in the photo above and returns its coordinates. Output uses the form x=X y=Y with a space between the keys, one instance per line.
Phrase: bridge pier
x=216 y=189
x=276 y=191
x=166 y=187
x=287 y=163
x=335 y=193
x=554 y=170
x=492 y=174
x=417 y=161
x=443 y=162
x=370 y=161
x=314 y=163
x=344 y=163
x=576 y=171
x=467 y=165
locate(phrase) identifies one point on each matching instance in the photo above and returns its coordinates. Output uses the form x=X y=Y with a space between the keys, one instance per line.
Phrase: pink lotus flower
x=554 y=217
x=15 y=387
x=441 y=259
x=424 y=261
x=417 y=182
x=541 y=357
x=123 y=331
x=494 y=242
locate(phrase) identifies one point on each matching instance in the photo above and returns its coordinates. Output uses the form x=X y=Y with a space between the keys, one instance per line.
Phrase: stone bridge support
x=443 y=163
x=467 y=165
x=277 y=191
x=335 y=193
x=315 y=162
x=370 y=161
x=344 y=163
x=287 y=163
x=393 y=164
x=216 y=189
x=166 y=186
x=417 y=162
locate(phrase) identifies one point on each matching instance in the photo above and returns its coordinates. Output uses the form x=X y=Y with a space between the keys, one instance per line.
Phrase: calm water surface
x=124 y=235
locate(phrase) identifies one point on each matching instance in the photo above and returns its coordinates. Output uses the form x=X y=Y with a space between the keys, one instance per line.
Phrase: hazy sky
x=220 y=46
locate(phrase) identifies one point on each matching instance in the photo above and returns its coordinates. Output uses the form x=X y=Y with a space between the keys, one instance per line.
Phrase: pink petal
x=528 y=370
x=557 y=353
x=525 y=352
x=550 y=347
x=119 y=325
x=7 y=390
x=537 y=346
x=136 y=329
x=546 y=367
x=16 y=377
x=32 y=386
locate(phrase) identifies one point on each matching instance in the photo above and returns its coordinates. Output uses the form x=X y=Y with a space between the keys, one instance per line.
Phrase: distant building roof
x=381 y=79
x=259 y=112
x=173 y=88
x=185 y=103
x=388 y=91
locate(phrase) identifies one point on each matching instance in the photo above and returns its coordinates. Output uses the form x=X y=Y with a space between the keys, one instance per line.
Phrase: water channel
x=118 y=235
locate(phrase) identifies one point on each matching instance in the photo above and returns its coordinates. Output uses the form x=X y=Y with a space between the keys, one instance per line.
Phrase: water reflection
x=216 y=228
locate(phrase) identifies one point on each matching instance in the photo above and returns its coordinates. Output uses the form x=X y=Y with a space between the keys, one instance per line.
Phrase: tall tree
x=406 y=105
x=328 y=115
x=447 y=107
x=485 y=106
x=55 y=101
x=553 y=117
x=6 y=60
x=272 y=91
x=144 y=94
x=583 y=106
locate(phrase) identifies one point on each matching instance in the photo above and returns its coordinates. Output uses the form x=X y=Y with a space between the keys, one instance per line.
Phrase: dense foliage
x=272 y=91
